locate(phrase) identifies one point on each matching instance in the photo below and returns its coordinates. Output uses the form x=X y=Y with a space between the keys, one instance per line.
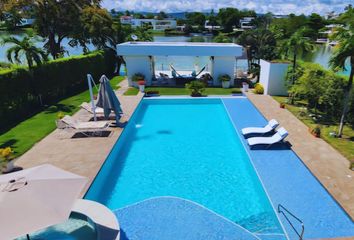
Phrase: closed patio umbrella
x=108 y=100
x=36 y=198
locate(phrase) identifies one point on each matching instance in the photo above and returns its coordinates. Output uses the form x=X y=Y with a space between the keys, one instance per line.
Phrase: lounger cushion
x=272 y=124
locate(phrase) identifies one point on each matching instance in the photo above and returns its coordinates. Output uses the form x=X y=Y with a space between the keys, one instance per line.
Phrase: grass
x=184 y=91
x=344 y=145
x=131 y=91
x=23 y=136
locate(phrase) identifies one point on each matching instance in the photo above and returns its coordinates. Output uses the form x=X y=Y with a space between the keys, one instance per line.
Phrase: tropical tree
x=229 y=17
x=344 y=52
x=222 y=38
x=295 y=45
x=26 y=48
x=259 y=44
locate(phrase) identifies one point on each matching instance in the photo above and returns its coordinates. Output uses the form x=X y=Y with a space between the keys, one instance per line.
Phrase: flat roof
x=179 y=49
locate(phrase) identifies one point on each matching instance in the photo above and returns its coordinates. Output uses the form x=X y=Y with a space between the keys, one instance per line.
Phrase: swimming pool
x=186 y=148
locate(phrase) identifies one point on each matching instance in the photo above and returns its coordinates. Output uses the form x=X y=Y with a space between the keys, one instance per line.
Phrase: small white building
x=272 y=77
x=246 y=23
x=155 y=23
x=139 y=57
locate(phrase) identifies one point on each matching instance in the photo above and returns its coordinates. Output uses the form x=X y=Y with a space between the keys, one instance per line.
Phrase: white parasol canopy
x=36 y=198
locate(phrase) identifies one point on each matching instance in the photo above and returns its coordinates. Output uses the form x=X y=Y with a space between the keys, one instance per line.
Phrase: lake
x=321 y=55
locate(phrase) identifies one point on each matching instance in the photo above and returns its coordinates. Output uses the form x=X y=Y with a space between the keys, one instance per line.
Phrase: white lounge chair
x=83 y=127
x=279 y=136
x=272 y=124
x=88 y=107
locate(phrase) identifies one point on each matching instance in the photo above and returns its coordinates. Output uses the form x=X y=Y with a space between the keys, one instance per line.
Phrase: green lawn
x=344 y=145
x=131 y=91
x=184 y=91
x=22 y=137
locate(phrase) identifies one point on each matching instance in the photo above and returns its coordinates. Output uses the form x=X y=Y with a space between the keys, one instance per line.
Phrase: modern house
x=211 y=27
x=154 y=23
x=139 y=57
x=246 y=23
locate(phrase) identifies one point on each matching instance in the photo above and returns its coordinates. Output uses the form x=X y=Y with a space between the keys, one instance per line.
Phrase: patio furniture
x=272 y=124
x=86 y=128
x=279 y=136
x=88 y=108
x=36 y=198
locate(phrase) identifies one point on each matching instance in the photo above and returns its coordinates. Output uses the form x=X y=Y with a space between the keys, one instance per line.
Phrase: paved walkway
x=83 y=156
x=328 y=165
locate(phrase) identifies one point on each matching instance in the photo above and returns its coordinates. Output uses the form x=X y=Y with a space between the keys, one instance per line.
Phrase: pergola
x=139 y=56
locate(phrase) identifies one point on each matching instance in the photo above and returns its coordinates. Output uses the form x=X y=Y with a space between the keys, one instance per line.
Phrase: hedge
x=20 y=88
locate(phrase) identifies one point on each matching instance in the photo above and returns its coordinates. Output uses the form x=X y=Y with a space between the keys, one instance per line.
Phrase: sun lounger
x=86 y=128
x=279 y=136
x=272 y=124
x=88 y=107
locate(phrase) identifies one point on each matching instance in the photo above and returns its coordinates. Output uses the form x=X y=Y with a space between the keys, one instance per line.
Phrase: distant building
x=211 y=27
x=247 y=23
x=154 y=23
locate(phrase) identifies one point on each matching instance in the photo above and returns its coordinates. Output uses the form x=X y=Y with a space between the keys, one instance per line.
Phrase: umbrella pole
x=28 y=238
x=89 y=80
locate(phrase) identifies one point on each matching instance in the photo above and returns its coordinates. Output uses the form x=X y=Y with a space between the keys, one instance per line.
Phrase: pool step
x=176 y=218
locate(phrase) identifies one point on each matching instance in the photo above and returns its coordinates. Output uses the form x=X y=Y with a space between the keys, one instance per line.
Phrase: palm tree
x=26 y=48
x=343 y=52
x=297 y=44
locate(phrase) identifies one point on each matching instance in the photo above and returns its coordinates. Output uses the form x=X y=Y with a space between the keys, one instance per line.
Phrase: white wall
x=223 y=65
x=139 y=64
x=272 y=77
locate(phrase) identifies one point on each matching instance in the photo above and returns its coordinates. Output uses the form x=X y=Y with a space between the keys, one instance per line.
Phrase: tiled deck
x=289 y=182
x=328 y=165
x=83 y=156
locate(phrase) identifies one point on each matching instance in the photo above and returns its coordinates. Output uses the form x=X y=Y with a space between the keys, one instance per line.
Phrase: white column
x=139 y=64
x=223 y=65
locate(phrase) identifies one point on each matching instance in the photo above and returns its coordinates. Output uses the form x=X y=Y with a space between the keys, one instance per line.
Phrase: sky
x=260 y=6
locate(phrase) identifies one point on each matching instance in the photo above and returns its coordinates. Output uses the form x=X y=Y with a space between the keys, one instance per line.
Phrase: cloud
x=260 y=6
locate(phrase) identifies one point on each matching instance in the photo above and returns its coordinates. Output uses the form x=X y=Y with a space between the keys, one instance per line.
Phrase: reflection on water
x=39 y=43
x=321 y=55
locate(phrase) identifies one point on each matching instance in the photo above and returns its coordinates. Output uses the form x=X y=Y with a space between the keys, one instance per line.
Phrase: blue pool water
x=186 y=148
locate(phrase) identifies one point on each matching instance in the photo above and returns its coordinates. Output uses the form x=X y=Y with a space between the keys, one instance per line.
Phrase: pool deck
x=327 y=164
x=82 y=156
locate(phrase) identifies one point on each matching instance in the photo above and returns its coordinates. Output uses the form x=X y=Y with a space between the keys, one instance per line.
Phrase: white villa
x=246 y=23
x=155 y=23
x=139 y=58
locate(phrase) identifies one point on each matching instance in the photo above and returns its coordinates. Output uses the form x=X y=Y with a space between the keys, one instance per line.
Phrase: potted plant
x=316 y=131
x=141 y=85
x=152 y=93
x=245 y=86
x=225 y=80
x=6 y=159
x=138 y=77
x=196 y=87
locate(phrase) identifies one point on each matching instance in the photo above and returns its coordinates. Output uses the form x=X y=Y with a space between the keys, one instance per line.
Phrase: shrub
x=196 y=87
x=258 y=89
x=138 y=77
x=224 y=78
x=322 y=89
x=54 y=80
x=316 y=131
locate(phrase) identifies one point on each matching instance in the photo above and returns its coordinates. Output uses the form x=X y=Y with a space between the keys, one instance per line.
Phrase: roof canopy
x=179 y=49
